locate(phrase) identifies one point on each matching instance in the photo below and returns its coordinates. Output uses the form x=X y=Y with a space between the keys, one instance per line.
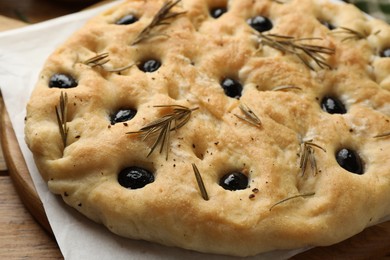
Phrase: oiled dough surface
x=197 y=52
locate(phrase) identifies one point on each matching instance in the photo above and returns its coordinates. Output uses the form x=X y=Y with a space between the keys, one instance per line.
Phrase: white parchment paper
x=22 y=55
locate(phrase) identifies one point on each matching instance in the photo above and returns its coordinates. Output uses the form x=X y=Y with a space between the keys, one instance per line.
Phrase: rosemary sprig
x=305 y=52
x=279 y=88
x=199 y=180
x=97 y=61
x=159 y=130
x=387 y=134
x=61 y=113
x=350 y=34
x=307 y=156
x=101 y=59
x=159 y=19
x=250 y=116
x=292 y=197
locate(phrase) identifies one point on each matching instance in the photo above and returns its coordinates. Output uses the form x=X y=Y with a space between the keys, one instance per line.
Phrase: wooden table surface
x=20 y=235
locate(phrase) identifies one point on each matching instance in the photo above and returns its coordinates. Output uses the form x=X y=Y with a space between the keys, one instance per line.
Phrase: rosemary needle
x=305 y=52
x=251 y=117
x=61 y=113
x=382 y=135
x=101 y=59
x=286 y=87
x=199 y=180
x=308 y=156
x=350 y=34
x=159 y=130
x=159 y=19
x=98 y=60
x=292 y=197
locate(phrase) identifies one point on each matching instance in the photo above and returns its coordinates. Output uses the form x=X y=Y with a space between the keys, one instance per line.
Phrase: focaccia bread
x=229 y=127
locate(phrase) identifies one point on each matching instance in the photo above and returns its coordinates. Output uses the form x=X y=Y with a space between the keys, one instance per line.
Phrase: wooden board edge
x=18 y=170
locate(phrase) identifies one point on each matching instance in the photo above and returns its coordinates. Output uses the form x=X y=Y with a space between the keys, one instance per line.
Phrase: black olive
x=349 y=160
x=231 y=87
x=135 y=177
x=217 y=12
x=234 y=181
x=150 y=65
x=127 y=19
x=122 y=115
x=385 y=53
x=61 y=80
x=260 y=23
x=333 y=105
x=328 y=25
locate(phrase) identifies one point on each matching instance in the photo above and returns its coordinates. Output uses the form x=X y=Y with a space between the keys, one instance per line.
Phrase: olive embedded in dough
x=122 y=115
x=61 y=80
x=135 y=177
x=150 y=65
x=333 y=105
x=349 y=160
x=231 y=87
x=234 y=181
x=260 y=23
x=127 y=19
x=217 y=12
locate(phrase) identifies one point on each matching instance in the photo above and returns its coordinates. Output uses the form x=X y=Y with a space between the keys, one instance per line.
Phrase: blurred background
x=33 y=11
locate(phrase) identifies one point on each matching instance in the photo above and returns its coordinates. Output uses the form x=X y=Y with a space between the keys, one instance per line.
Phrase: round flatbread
x=229 y=127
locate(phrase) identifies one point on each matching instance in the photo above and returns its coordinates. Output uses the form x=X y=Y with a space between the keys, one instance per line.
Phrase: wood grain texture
x=17 y=169
x=20 y=236
x=3 y=164
x=372 y=243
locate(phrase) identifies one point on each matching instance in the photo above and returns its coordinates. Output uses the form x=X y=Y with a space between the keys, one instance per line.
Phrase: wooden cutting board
x=17 y=169
x=372 y=243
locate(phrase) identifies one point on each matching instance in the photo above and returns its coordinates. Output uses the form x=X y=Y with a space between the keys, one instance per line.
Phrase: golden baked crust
x=298 y=195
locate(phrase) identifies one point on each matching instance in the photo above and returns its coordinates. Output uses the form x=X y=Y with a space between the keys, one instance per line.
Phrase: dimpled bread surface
x=297 y=195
